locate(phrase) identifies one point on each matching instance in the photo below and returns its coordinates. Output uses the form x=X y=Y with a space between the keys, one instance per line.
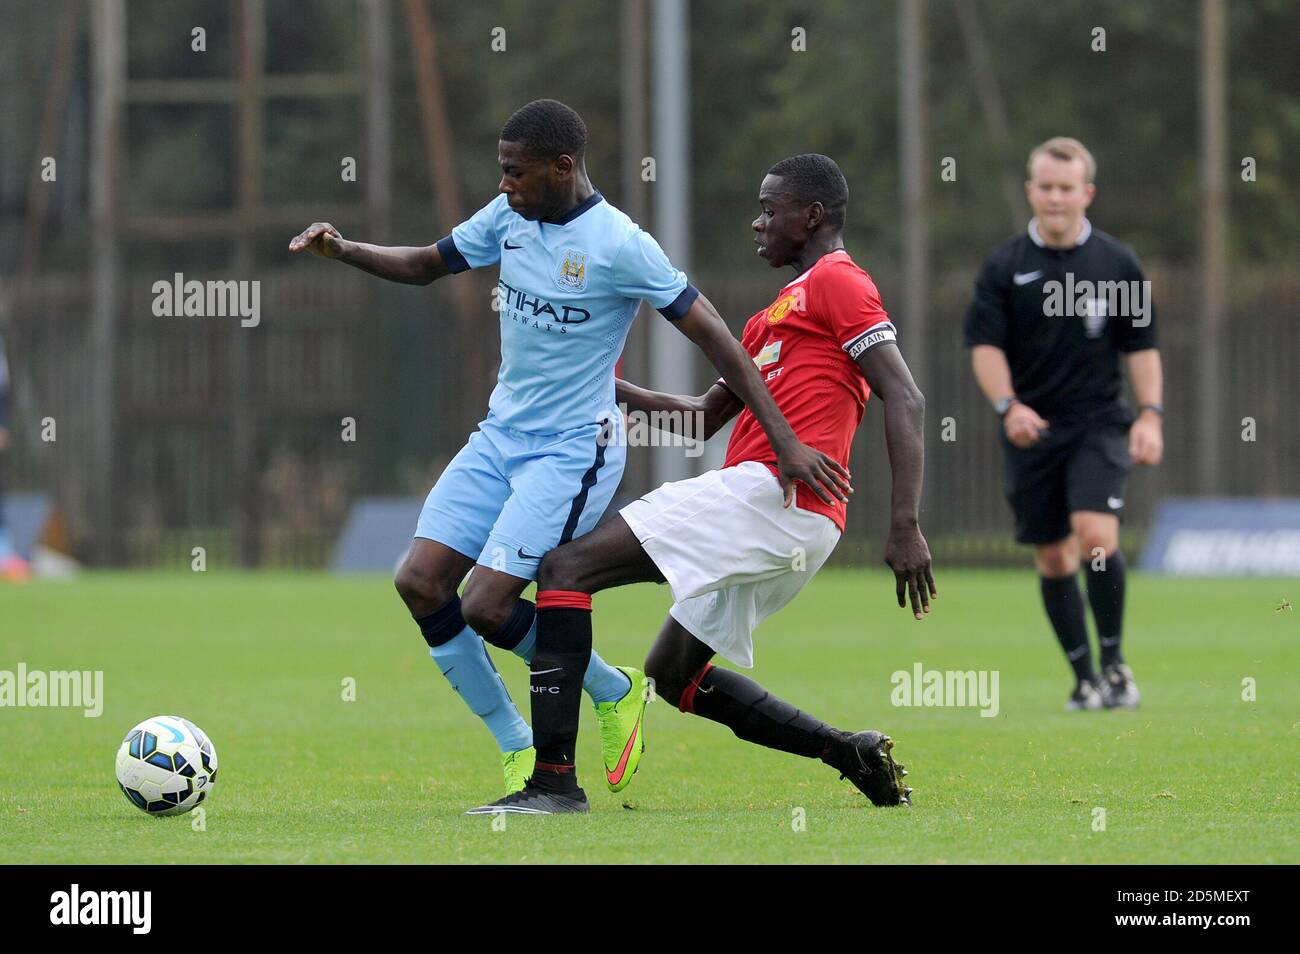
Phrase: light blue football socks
x=463 y=659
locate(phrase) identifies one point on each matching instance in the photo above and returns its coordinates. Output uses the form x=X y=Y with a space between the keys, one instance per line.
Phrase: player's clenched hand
x=1146 y=442
x=908 y=555
x=824 y=475
x=320 y=238
x=1023 y=425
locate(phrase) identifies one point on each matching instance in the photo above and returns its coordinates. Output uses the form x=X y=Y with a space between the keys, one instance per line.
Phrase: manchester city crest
x=572 y=275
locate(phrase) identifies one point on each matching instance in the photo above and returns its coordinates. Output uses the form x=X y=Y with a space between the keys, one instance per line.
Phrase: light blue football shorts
x=510 y=496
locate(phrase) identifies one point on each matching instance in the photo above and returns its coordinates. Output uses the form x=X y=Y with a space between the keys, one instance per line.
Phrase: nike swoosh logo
x=510 y=247
x=616 y=776
x=1024 y=278
x=526 y=556
x=544 y=671
x=176 y=736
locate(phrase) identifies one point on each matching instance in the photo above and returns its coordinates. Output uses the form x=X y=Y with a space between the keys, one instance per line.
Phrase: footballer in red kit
x=805 y=345
x=732 y=544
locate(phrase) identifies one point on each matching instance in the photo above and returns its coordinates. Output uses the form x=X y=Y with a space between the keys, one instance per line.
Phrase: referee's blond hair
x=1065 y=147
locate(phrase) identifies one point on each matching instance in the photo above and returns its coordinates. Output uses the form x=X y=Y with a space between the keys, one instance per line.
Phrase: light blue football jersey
x=568 y=292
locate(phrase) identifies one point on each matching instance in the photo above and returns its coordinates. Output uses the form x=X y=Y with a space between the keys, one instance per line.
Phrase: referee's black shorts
x=1071 y=468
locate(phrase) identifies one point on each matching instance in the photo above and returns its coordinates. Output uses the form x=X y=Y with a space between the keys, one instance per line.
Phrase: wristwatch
x=1158 y=408
x=1002 y=405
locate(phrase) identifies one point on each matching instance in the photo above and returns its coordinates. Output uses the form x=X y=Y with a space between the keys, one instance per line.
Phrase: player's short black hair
x=547 y=128
x=812 y=177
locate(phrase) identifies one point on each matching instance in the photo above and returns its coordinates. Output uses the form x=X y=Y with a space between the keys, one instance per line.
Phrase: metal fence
x=156 y=435
x=335 y=345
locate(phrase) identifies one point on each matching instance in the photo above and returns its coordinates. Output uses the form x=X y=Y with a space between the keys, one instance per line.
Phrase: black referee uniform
x=1067 y=368
x=1063 y=317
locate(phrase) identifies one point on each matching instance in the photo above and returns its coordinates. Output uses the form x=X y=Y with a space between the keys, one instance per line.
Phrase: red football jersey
x=805 y=345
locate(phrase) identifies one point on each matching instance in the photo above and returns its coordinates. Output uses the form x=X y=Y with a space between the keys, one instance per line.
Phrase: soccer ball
x=166 y=765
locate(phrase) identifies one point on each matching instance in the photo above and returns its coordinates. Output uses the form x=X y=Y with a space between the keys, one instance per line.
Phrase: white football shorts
x=731 y=553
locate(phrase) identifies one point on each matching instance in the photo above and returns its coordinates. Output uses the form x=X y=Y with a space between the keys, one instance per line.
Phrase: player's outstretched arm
x=795 y=460
x=906 y=553
x=409 y=265
x=715 y=407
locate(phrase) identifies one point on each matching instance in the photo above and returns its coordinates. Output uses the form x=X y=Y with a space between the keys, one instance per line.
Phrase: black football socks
x=515 y=628
x=756 y=715
x=1064 y=603
x=1106 y=594
x=563 y=652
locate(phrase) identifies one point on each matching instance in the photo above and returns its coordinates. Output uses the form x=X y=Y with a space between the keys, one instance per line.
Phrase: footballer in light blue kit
x=544 y=464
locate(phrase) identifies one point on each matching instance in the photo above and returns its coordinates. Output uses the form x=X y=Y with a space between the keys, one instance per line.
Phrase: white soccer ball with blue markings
x=166 y=765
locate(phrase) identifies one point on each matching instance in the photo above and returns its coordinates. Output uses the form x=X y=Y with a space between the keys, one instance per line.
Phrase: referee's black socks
x=1106 y=594
x=1063 y=601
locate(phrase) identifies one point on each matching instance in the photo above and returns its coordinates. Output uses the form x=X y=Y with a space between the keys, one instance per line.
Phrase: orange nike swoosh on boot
x=616 y=776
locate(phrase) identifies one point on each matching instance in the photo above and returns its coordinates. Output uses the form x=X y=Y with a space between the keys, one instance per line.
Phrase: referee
x=1054 y=311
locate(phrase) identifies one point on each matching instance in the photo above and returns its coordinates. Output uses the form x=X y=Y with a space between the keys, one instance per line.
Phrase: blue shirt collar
x=577 y=210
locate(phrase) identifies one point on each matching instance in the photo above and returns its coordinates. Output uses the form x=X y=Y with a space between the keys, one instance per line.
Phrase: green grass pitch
x=258 y=661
